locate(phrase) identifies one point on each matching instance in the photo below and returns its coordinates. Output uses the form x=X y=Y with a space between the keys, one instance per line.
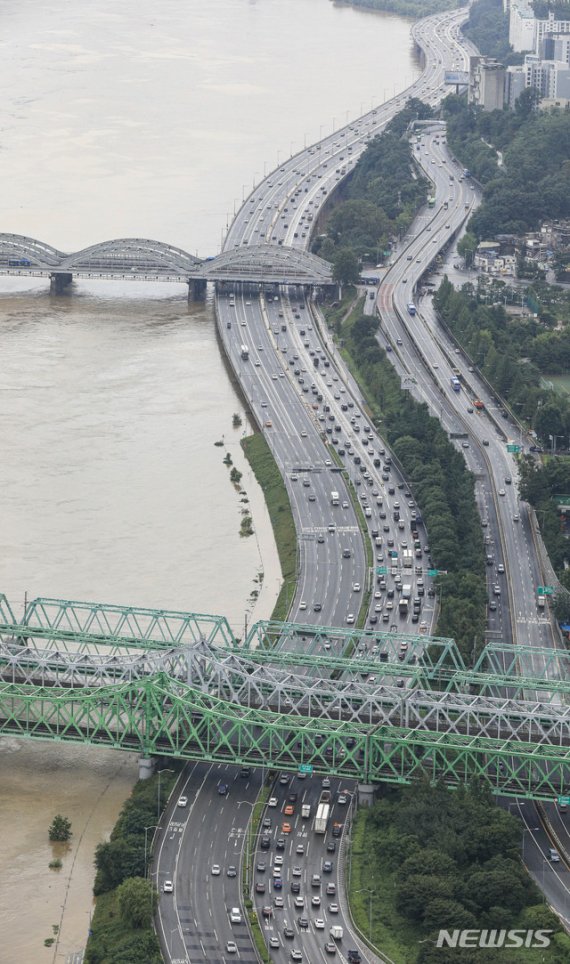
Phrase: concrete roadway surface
x=508 y=533
x=304 y=853
x=208 y=827
x=193 y=921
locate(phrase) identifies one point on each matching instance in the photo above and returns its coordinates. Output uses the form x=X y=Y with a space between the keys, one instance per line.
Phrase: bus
x=455 y=383
x=244 y=351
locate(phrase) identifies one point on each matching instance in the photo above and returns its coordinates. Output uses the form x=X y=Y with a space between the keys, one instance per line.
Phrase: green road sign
x=305 y=768
x=432 y=572
x=545 y=590
x=564 y=801
x=381 y=570
x=513 y=448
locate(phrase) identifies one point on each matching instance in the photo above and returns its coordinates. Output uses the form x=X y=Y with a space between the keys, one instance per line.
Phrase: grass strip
x=269 y=477
x=248 y=874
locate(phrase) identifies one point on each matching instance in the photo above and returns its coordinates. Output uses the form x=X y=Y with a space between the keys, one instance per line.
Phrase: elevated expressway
x=282 y=211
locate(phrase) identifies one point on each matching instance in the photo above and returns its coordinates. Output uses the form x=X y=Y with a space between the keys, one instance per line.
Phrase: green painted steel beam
x=162 y=717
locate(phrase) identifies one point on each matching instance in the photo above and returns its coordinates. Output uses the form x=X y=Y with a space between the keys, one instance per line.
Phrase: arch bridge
x=167 y=683
x=140 y=259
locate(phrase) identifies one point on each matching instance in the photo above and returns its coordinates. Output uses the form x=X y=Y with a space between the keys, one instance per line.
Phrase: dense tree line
x=539 y=485
x=560 y=9
x=488 y=28
x=122 y=925
x=441 y=483
x=451 y=860
x=408 y=8
x=533 y=182
x=379 y=199
x=512 y=354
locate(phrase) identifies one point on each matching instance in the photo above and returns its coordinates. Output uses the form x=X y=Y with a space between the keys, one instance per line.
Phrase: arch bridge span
x=165 y=683
x=141 y=259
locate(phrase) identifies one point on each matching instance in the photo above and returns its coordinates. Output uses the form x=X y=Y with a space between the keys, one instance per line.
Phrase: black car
x=331 y=847
x=303 y=922
x=293 y=797
x=265 y=843
x=289 y=933
x=295 y=887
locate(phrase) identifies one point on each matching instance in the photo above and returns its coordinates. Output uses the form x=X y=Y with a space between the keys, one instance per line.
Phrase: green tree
x=467 y=247
x=116 y=860
x=60 y=829
x=345 y=267
x=561 y=606
x=136 y=898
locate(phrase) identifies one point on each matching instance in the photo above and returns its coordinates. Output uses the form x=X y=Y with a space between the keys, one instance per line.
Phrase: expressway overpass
x=392 y=708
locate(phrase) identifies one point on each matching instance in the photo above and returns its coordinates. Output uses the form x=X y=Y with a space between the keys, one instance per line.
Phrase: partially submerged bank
x=267 y=474
x=418 y=9
x=121 y=929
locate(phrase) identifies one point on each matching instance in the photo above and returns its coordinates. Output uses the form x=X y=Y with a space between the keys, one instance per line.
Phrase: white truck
x=335 y=498
x=336 y=932
x=408 y=558
x=406 y=591
x=323 y=812
x=322 y=817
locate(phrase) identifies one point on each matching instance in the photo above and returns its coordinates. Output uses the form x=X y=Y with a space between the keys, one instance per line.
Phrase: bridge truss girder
x=118 y=626
x=159 y=716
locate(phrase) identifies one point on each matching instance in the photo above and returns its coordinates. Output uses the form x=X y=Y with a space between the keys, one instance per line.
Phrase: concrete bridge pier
x=58 y=282
x=196 y=289
x=146 y=767
x=366 y=794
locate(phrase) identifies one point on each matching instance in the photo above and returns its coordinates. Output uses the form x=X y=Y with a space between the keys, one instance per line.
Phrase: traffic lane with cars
x=293 y=434
x=194 y=921
x=304 y=853
x=343 y=411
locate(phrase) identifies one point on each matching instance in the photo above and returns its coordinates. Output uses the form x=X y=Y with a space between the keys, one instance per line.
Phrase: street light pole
x=371 y=894
x=153 y=826
x=164 y=770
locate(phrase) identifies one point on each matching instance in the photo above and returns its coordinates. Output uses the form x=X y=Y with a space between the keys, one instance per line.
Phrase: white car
x=216 y=870
x=302 y=605
x=350 y=618
x=272 y=802
x=356 y=587
x=182 y=802
x=501 y=492
x=319 y=924
x=168 y=887
x=231 y=947
x=235 y=915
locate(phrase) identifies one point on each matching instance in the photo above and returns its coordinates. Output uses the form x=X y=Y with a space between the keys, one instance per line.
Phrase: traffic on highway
x=364 y=556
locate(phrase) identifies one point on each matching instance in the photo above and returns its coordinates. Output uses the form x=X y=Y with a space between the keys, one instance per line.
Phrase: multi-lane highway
x=283 y=393
x=315 y=422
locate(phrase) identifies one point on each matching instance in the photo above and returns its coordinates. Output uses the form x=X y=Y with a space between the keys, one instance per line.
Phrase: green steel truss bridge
x=175 y=684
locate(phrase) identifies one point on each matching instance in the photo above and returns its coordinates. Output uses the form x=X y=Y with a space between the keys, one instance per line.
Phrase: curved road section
x=315 y=422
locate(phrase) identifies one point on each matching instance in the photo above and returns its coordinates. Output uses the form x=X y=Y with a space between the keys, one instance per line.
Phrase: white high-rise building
x=486 y=83
x=522 y=26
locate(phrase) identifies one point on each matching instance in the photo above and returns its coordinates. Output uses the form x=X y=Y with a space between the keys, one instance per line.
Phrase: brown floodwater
x=148 y=119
